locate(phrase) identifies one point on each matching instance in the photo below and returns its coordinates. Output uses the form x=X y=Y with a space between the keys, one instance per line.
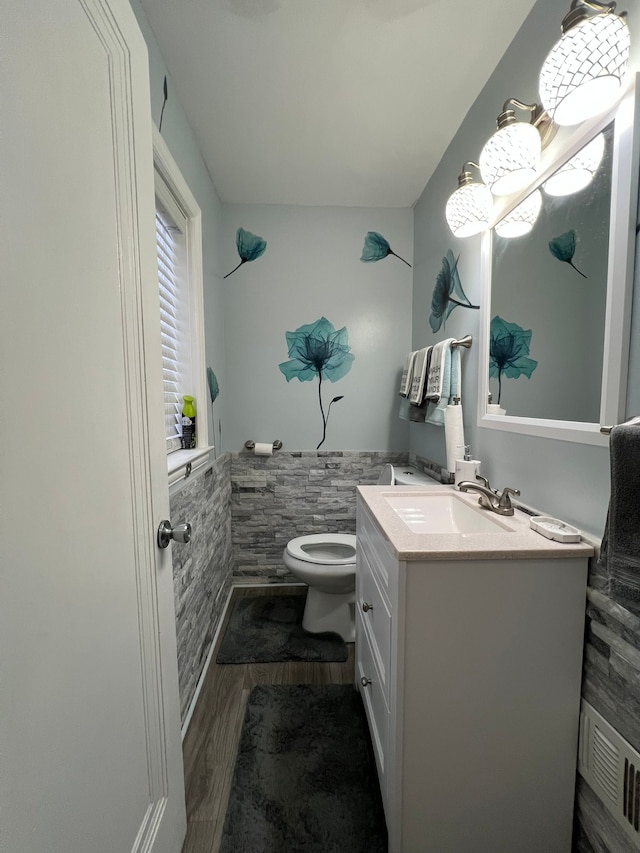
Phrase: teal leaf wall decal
x=376 y=247
x=250 y=247
x=564 y=248
x=508 y=351
x=317 y=349
x=214 y=388
x=448 y=286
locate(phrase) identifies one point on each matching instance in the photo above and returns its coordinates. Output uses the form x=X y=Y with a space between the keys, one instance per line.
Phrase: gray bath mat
x=268 y=628
x=305 y=778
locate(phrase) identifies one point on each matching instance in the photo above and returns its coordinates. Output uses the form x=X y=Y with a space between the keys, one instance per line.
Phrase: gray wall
x=611 y=684
x=276 y=498
x=312 y=268
x=201 y=569
x=559 y=477
x=179 y=137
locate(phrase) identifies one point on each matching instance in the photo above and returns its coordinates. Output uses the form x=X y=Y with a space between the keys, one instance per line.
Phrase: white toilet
x=326 y=562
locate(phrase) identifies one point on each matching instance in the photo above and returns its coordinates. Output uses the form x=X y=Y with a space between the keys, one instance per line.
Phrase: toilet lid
x=338 y=549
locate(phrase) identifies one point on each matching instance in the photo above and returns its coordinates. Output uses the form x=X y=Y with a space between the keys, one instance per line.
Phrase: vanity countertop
x=516 y=539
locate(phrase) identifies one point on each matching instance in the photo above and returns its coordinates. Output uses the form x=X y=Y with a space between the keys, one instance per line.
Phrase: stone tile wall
x=202 y=569
x=276 y=498
x=611 y=684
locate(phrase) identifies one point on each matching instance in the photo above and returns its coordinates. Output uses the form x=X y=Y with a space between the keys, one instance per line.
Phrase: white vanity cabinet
x=470 y=673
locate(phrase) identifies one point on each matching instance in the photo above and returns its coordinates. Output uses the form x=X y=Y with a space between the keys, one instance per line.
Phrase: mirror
x=553 y=283
x=555 y=318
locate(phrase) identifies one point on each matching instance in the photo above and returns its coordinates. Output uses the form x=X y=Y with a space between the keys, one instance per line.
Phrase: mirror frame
x=620 y=271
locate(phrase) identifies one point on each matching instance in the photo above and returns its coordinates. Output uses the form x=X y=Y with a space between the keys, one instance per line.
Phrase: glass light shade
x=583 y=72
x=522 y=218
x=578 y=172
x=509 y=159
x=469 y=209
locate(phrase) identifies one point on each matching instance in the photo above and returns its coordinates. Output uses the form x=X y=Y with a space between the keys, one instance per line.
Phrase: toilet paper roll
x=263 y=449
x=453 y=435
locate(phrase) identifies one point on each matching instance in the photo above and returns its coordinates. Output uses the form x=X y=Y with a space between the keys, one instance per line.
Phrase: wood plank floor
x=210 y=746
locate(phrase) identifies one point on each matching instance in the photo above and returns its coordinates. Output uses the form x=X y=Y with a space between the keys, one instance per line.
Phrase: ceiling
x=328 y=102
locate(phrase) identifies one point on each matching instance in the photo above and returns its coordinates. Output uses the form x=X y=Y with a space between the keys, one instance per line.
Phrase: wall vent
x=611 y=766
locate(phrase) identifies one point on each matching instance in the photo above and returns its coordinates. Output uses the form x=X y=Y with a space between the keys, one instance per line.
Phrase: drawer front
x=376 y=618
x=374 y=703
x=376 y=550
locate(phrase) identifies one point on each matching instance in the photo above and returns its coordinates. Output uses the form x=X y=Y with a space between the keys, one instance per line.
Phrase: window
x=179 y=248
x=174 y=319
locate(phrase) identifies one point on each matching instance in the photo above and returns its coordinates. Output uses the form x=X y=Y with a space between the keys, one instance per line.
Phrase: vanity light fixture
x=577 y=172
x=583 y=72
x=522 y=218
x=510 y=157
x=469 y=208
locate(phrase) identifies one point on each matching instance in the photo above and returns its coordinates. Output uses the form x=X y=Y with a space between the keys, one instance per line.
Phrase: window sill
x=179 y=460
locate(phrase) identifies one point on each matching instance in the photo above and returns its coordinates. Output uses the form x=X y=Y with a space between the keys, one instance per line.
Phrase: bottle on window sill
x=188 y=440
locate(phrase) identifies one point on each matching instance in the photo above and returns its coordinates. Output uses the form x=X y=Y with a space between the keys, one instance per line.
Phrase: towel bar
x=463 y=342
x=635 y=420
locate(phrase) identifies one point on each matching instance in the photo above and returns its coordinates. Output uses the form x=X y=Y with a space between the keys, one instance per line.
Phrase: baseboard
x=205 y=668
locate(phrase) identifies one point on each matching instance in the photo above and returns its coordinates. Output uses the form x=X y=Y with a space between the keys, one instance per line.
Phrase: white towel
x=438 y=371
x=416 y=395
x=450 y=375
x=407 y=375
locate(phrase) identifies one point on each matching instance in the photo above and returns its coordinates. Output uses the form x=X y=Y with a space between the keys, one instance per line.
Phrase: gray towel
x=621 y=541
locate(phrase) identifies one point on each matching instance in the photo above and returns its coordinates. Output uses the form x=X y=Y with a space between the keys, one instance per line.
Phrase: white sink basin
x=442 y=513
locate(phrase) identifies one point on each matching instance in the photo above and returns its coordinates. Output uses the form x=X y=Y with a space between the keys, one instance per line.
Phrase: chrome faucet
x=489 y=499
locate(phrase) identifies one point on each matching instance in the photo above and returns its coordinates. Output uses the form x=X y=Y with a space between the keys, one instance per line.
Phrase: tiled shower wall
x=276 y=498
x=611 y=684
x=202 y=569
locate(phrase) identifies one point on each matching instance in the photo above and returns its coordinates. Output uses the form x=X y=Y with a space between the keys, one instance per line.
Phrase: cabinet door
x=370 y=685
x=376 y=618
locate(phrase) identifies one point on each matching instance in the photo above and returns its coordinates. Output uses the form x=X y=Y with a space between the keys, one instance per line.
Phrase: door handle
x=179 y=533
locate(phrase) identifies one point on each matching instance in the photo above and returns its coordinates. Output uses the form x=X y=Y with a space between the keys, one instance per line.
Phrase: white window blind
x=174 y=321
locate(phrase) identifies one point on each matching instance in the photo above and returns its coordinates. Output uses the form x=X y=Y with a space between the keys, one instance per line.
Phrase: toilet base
x=325 y=611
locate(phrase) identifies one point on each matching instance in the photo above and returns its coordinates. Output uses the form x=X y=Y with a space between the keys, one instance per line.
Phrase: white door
x=90 y=757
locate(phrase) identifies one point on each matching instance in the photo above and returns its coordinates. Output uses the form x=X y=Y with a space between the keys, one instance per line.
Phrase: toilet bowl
x=326 y=562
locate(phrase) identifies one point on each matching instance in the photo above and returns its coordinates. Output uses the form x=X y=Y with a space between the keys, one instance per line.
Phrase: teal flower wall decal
x=564 y=248
x=448 y=286
x=214 y=390
x=509 y=351
x=317 y=349
x=249 y=246
x=376 y=247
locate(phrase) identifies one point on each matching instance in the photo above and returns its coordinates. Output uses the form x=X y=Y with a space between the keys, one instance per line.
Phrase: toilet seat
x=329 y=549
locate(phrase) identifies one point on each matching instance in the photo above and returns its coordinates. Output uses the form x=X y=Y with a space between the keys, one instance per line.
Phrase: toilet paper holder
x=277 y=444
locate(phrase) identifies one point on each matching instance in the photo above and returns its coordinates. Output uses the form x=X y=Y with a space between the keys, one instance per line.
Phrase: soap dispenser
x=467 y=468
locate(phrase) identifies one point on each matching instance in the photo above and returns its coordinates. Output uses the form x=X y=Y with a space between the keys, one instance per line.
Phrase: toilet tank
x=403 y=475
